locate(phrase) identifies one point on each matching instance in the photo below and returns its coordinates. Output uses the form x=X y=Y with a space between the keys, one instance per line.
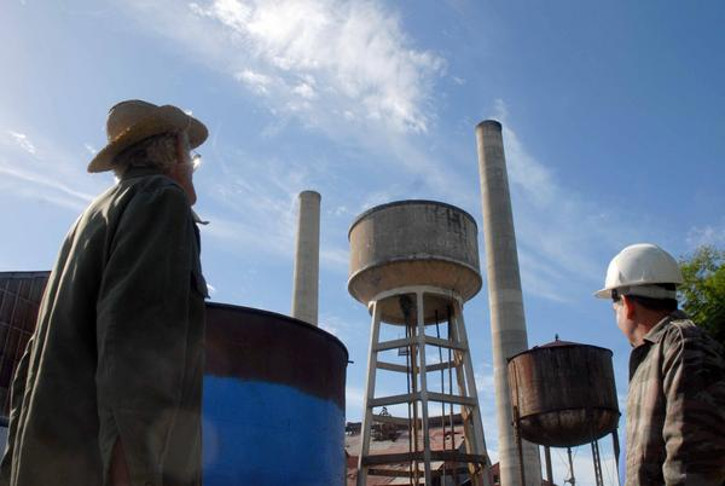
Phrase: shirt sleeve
x=142 y=322
x=694 y=428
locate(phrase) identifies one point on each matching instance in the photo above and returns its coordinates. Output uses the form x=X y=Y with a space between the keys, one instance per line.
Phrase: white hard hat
x=637 y=269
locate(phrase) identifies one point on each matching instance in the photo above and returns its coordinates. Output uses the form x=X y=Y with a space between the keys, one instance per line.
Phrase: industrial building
x=273 y=380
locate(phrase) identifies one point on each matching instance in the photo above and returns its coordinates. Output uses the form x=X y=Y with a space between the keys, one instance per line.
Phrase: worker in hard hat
x=676 y=399
x=109 y=389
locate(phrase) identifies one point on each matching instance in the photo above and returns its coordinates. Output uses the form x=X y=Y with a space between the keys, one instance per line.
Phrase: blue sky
x=613 y=116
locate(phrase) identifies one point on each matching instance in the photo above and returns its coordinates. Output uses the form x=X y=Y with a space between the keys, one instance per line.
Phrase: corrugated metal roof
x=439 y=440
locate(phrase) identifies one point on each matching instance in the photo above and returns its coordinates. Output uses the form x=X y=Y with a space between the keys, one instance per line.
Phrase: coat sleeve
x=142 y=323
x=694 y=427
x=17 y=391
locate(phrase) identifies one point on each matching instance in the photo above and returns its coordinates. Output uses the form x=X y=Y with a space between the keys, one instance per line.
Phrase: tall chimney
x=505 y=300
x=307 y=259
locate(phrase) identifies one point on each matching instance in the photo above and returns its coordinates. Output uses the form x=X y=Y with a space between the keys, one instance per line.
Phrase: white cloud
x=90 y=148
x=706 y=235
x=365 y=68
x=256 y=81
x=305 y=91
x=23 y=142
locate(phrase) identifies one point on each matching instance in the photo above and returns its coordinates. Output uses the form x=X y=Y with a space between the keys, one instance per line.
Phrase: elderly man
x=109 y=390
x=676 y=401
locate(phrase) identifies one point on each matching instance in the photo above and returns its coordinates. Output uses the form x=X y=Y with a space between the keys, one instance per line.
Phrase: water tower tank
x=565 y=393
x=414 y=263
x=413 y=242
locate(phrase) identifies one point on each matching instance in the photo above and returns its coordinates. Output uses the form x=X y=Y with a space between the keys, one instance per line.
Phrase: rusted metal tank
x=413 y=243
x=274 y=400
x=564 y=393
x=20 y=295
x=274 y=389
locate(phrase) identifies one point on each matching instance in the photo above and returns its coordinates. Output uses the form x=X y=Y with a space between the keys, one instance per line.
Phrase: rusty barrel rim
x=549 y=348
x=283 y=318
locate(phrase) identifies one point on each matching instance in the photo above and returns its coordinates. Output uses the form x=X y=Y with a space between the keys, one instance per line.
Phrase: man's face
x=183 y=172
x=624 y=323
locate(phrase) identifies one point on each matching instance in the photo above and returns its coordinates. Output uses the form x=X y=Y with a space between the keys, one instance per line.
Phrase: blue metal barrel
x=274 y=400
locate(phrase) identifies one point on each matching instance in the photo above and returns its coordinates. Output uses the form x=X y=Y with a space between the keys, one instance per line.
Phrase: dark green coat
x=118 y=347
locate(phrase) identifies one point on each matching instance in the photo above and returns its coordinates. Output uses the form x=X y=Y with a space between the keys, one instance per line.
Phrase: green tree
x=703 y=293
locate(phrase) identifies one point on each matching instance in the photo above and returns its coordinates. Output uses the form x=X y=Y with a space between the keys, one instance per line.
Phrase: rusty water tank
x=564 y=392
x=20 y=295
x=413 y=243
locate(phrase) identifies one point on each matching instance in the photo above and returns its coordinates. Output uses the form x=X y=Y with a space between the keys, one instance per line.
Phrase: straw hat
x=131 y=121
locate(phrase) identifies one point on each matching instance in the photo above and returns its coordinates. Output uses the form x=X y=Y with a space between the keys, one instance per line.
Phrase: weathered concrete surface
x=508 y=323
x=413 y=242
x=307 y=259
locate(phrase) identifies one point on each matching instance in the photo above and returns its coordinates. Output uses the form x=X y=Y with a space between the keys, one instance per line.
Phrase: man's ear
x=629 y=306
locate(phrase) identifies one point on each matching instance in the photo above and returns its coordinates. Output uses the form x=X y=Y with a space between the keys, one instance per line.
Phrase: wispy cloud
x=26 y=173
x=337 y=326
x=326 y=60
x=35 y=184
x=560 y=232
x=706 y=235
x=29 y=171
x=23 y=142
x=255 y=200
x=258 y=83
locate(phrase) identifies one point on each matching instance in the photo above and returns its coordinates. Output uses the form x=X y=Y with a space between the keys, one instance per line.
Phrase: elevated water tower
x=413 y=264
x=583 y=409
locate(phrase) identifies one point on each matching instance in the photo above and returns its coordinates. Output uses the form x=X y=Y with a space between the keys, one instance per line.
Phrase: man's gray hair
x=157 y=152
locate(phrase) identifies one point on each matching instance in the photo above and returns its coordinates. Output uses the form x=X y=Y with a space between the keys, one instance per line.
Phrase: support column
x=307 y=259
x=508 y=324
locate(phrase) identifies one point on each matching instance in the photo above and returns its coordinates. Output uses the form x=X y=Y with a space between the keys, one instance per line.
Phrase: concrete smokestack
x=307 y=259
x=508 y=324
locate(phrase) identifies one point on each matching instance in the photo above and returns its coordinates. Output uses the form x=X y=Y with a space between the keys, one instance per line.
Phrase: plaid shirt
x=676 y=407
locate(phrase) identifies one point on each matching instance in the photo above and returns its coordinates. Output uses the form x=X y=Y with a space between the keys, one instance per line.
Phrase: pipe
x=508 y=323
x=307 y=259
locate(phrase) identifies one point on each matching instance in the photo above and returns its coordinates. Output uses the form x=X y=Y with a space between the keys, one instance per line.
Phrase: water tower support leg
x=547 y=458
x=423 y=386
x=519 y=445
x=478 y=442
x=597 y=463
x=362 y=470
x=615 y=444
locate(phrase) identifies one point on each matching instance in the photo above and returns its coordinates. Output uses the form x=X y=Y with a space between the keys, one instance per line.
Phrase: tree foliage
x=703 y=293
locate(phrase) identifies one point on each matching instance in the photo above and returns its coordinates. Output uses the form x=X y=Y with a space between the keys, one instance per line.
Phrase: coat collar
x=135 y=172
x=655 y=334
